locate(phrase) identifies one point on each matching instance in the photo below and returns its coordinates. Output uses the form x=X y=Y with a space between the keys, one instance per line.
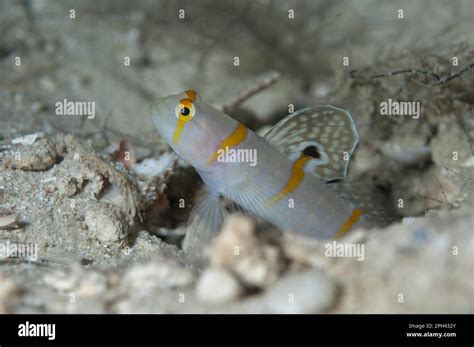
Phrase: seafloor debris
x=218 y=285
x=26 y=140
x=7 y=219
x=123 y=152
x=63 y=179
x=238 y=248
x=8 y=293
x=24 y=156
x=249 y=270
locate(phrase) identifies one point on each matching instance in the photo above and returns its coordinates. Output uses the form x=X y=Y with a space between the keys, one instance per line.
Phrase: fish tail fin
x=371 y=207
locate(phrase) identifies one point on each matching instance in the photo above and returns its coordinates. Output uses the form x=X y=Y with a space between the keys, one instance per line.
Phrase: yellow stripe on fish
x=178 y=131
x=297 y=176
x=185 y=112
x=353 y=219
x=234 y=139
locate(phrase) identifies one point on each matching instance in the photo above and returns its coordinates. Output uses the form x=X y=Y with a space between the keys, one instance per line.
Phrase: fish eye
x=185 y=110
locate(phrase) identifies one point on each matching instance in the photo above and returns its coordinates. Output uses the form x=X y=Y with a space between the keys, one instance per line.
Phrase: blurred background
x=83 y=58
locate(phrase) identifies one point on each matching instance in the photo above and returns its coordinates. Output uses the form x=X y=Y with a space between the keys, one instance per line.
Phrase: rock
x=106 y=225
x=92 y=285
x=74 y=290
x=38 y=156
x=217 y=286
x=8 y=290
x=412 y=267
x=236 y=237
x=261 y=268
x=7 y=219
x=304 y=292
x=419 y=192
x=147 y=248
x=257 y=263
x=26 y=140
x=406 y=153
x=151 y=167
x=304 y=251
x=78 y=282
x=451 y=147
x=156 y=287
x=148 y=277
x=61 y=281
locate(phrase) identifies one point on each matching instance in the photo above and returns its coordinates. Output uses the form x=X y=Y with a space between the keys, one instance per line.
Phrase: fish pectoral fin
x=204 y=224
x=326 y=133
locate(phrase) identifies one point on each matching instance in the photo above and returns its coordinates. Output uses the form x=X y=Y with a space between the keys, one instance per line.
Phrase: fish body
x=285 y=183
x=307 y=206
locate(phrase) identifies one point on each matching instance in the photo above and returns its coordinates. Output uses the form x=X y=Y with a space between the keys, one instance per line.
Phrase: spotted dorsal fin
x=326 y=133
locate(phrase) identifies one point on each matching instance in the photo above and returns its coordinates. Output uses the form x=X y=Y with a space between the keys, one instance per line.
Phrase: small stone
x=256 y=263
x=301 y=293
x=106 y=225
x=92 y=285
x=304 y=251
x=39 y=156
x=7 y=219
x=8 y=291
x=451 y=148
x=218 y=285
x=148 y=277
x=25 y=140
x=60 y=281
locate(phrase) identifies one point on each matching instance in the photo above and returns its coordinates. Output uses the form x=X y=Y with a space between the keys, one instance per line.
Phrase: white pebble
x=217 y=285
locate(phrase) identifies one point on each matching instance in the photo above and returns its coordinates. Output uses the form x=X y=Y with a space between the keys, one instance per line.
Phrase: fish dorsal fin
x=326 y=133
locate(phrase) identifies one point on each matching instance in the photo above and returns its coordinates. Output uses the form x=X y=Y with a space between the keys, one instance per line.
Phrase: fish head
x=191 y=127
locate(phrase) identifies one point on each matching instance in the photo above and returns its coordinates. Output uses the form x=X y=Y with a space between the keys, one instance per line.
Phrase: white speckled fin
x=325 y=132
x=204 y=223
